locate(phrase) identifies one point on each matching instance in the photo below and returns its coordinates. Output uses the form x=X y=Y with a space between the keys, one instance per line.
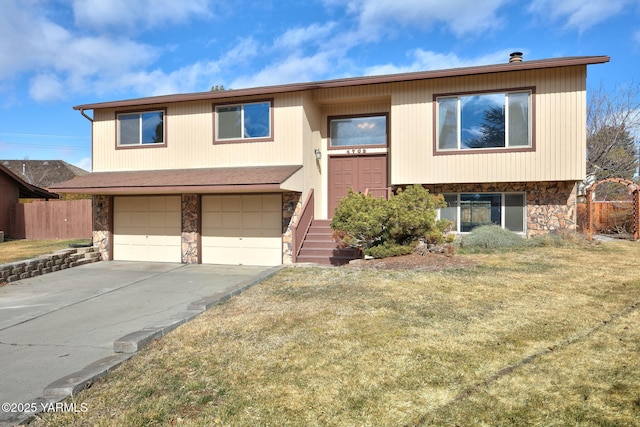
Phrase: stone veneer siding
x=190 y=228
x=291 y=206
x=551 y=206
x=102 y=225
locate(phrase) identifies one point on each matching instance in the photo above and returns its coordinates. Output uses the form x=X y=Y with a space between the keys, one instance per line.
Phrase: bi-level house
x=250 y=176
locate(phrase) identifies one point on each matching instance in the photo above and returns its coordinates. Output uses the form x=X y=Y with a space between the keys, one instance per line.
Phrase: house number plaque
x=357 y=151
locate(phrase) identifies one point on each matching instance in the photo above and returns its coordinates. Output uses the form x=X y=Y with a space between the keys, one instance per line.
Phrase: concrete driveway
x=62 y=330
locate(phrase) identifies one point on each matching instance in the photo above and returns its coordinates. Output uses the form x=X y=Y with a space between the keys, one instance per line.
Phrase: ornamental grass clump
x=491 y=237
x=383 y=228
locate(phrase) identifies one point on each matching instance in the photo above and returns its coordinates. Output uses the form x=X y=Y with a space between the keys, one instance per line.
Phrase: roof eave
x=356 y=81
x=180 y=189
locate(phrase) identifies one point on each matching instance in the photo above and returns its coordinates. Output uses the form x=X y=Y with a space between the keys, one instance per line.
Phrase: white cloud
x=134 y=14
x=46 y=87
x=300 y=54
x=289 y=70
x=199 y=76
x=461 y=17
x=301 y=36
x=63 y=62
x=157 y=82
x=423 y=60
x=579 y=14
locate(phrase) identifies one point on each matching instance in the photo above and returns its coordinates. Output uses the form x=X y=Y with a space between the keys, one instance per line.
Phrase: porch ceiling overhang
x=178 y=181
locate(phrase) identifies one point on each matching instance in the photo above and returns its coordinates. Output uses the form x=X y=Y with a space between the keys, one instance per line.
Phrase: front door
x=357 y=173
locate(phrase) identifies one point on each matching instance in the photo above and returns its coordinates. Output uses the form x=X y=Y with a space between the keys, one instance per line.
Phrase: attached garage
x=242 y=229
x=147 y=228
x=226 y=215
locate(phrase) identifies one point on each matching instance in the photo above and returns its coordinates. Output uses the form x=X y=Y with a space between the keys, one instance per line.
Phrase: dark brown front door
x=357 y=173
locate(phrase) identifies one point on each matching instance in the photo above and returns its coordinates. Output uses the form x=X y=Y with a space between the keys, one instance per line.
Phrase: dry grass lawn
x=18 y=250
x=538 y=337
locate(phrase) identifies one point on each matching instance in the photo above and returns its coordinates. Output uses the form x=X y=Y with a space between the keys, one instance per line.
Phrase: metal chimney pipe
x=515 y=57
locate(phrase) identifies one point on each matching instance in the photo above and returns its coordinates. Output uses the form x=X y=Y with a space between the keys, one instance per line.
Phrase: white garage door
x=242 y=229
x=147 y=229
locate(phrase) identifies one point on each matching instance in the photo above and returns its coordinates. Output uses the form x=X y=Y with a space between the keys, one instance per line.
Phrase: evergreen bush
x=368 y=222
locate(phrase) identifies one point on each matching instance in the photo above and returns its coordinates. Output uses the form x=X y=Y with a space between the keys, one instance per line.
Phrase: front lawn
x=546 y=336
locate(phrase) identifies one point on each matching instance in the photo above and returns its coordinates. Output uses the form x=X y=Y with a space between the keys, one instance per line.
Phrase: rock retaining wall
x=59 y=260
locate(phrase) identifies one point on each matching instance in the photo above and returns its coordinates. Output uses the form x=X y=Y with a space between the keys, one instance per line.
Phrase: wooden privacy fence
x=53 y=219
x=608 y=217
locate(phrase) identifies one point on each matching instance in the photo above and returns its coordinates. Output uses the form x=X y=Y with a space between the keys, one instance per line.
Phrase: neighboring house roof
x=356 y=81
x=237 y=179
x=43 y=173
x=27 y=191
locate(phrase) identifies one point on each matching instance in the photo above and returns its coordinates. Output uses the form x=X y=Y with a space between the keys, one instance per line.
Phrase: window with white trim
x=470 y=210
x=243 y=121
x=143 y=128
x=484 y=121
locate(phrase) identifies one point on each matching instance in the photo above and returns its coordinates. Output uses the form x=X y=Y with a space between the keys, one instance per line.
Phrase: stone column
x=291 y=206
x=103 y=225
x=190 y=228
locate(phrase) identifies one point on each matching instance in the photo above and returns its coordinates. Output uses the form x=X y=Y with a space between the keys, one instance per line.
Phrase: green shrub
x=387 y=249
x=491 y=237
x=366 y=222
x=359 y=220
x=440 y=234
x=411 y=214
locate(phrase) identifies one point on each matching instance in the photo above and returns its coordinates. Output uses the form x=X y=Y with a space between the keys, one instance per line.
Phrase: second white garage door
x=147 y=229
x=242 y=229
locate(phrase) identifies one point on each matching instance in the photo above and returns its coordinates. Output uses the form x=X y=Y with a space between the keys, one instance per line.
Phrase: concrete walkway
x=62 y=330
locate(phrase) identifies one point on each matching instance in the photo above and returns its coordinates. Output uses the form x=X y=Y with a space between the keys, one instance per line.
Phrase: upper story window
x=143 y=128
x=484 y=121
x=251 y=121
x=358 y=131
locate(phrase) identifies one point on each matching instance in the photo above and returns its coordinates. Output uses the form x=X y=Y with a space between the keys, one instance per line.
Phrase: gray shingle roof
x=43 y=173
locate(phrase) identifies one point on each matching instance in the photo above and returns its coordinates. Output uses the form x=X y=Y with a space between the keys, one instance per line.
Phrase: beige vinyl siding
x=189 y=136
x=300 y=126
x=312 y=140
x=560 y=120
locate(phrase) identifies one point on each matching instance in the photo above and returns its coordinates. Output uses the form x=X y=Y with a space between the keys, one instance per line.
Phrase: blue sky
x=55 y=54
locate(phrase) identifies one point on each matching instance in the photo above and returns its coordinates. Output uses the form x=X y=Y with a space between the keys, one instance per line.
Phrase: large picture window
x=484 y=121
x=358 y=131
x=142 y=128
x=243 y=121
x=470 y=210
